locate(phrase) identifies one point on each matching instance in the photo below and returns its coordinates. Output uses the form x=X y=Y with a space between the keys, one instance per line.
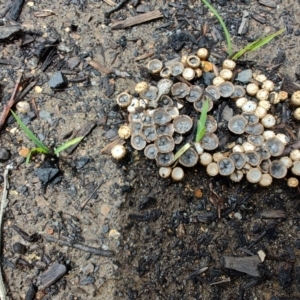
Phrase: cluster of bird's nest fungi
x=164 y=117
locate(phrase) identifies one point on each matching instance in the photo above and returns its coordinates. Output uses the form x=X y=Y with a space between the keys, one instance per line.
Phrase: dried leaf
x=99 y=67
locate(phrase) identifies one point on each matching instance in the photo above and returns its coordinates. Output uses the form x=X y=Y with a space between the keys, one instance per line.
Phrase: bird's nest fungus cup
x=163 y=117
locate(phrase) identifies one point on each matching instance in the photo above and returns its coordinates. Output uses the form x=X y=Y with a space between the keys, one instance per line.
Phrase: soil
x=167 y=238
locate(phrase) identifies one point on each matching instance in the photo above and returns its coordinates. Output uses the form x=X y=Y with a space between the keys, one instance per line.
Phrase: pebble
x=81 y=162
x=87 y=280
x=227 y=113
x=268 y=3
x=105 y=229
x=88 y=268
x=4 y=154
x=19 y=248
x=208 y=78
x=23 y=107
x=238 y=216
x=105 y=209
x=104 y=247
x=244 y=76
x=58 y=81
x=38 y=89
x=114 y=234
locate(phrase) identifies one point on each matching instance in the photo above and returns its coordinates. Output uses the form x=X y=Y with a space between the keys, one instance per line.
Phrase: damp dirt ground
x=180 y=254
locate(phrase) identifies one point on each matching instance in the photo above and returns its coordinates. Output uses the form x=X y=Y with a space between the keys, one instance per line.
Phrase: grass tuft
x=226 y=32
x=257 y=44
x=41 y=148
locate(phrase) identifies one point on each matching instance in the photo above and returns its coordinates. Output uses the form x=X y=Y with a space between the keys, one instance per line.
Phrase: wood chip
x=272 y=214
x=258 y=18
x=246 y=265
x=268 y=3
x=132 y=21
x=44 y=13
x=145 y=55
x=51 y=275
x=261 y=254
x=9 y=31
x=110 y=2
x=99 y=67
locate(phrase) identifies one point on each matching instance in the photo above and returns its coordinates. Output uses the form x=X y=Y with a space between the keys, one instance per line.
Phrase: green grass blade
x=34 y=150
x=201 y=122
x=30 y=134
x=257 y=44
x=182 y=150
x=226 y=32
x=67 y=145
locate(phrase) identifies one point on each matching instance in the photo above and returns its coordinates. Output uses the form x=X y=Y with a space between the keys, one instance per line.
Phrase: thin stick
x=91 y=195
x=226 y=32
x=10 y=103
x=82 y=247
x=3 y=206
x=142 y=18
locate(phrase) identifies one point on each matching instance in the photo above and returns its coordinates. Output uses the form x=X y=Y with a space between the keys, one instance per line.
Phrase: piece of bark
x=16 y=9
x=110 y=2
x=8 y=31
x=272 y=214
x=258 y=18
x=246 y=264
x=268 y=3
x=145 y=55
x=50 y=276
x=99 y=67
x=31 y=292
x=132 y=21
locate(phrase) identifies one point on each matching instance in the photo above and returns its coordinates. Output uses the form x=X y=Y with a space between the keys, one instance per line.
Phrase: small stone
x=87 y=280
x=238 y=216
x=58 y=81
x=80 y=163
x=114 y=234
x=268 y=3
x=19 y=248
x=105 y=209
x=88 y=269
x=23 y=107
x=4 y=154
x=38 y=89
x=208 y=78
x=104 y=247
x=105 y=229
x=73 y=62
x=46 y=174
x=222 y=2
x=244 y=76
x=261 y=254
x=227 y=113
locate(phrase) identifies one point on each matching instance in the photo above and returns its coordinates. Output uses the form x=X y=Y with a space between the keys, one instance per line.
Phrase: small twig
x=92 y=250
x=3 y=206
x=10 y=103
x=114 y=9
x=144 y=56
x=142 y=18
x=110 y=2
x=91 y=195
